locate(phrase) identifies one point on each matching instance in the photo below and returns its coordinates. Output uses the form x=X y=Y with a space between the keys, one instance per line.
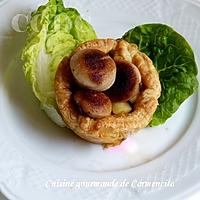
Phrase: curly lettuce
x=53 y=33
x=174 y=61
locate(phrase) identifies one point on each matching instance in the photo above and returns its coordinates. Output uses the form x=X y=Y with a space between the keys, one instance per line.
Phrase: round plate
x=42 y=161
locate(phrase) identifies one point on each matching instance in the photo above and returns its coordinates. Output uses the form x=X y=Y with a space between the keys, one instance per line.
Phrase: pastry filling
x=106 y=85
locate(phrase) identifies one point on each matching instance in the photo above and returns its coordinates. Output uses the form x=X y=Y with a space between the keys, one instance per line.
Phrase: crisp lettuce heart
x=53 y=33
x=175 y=62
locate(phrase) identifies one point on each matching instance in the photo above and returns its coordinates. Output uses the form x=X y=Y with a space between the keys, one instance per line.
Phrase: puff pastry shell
x=111 y=130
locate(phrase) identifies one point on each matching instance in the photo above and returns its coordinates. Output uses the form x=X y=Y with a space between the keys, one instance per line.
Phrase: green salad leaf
x=53 y=33
x=174 y=61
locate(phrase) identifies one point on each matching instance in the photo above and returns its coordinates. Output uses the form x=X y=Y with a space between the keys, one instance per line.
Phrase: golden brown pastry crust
x=111 y=130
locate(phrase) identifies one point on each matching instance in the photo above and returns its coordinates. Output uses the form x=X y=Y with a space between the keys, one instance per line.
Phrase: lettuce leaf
x=175 y=62
x=53 y=33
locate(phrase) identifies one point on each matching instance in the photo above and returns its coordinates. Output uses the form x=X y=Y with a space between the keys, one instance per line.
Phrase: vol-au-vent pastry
x=106 y=90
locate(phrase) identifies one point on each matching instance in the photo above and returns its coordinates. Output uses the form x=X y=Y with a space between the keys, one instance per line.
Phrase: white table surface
x=193 y=197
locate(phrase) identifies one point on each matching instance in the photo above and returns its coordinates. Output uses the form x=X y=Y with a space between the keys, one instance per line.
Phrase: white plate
x=34 y=151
